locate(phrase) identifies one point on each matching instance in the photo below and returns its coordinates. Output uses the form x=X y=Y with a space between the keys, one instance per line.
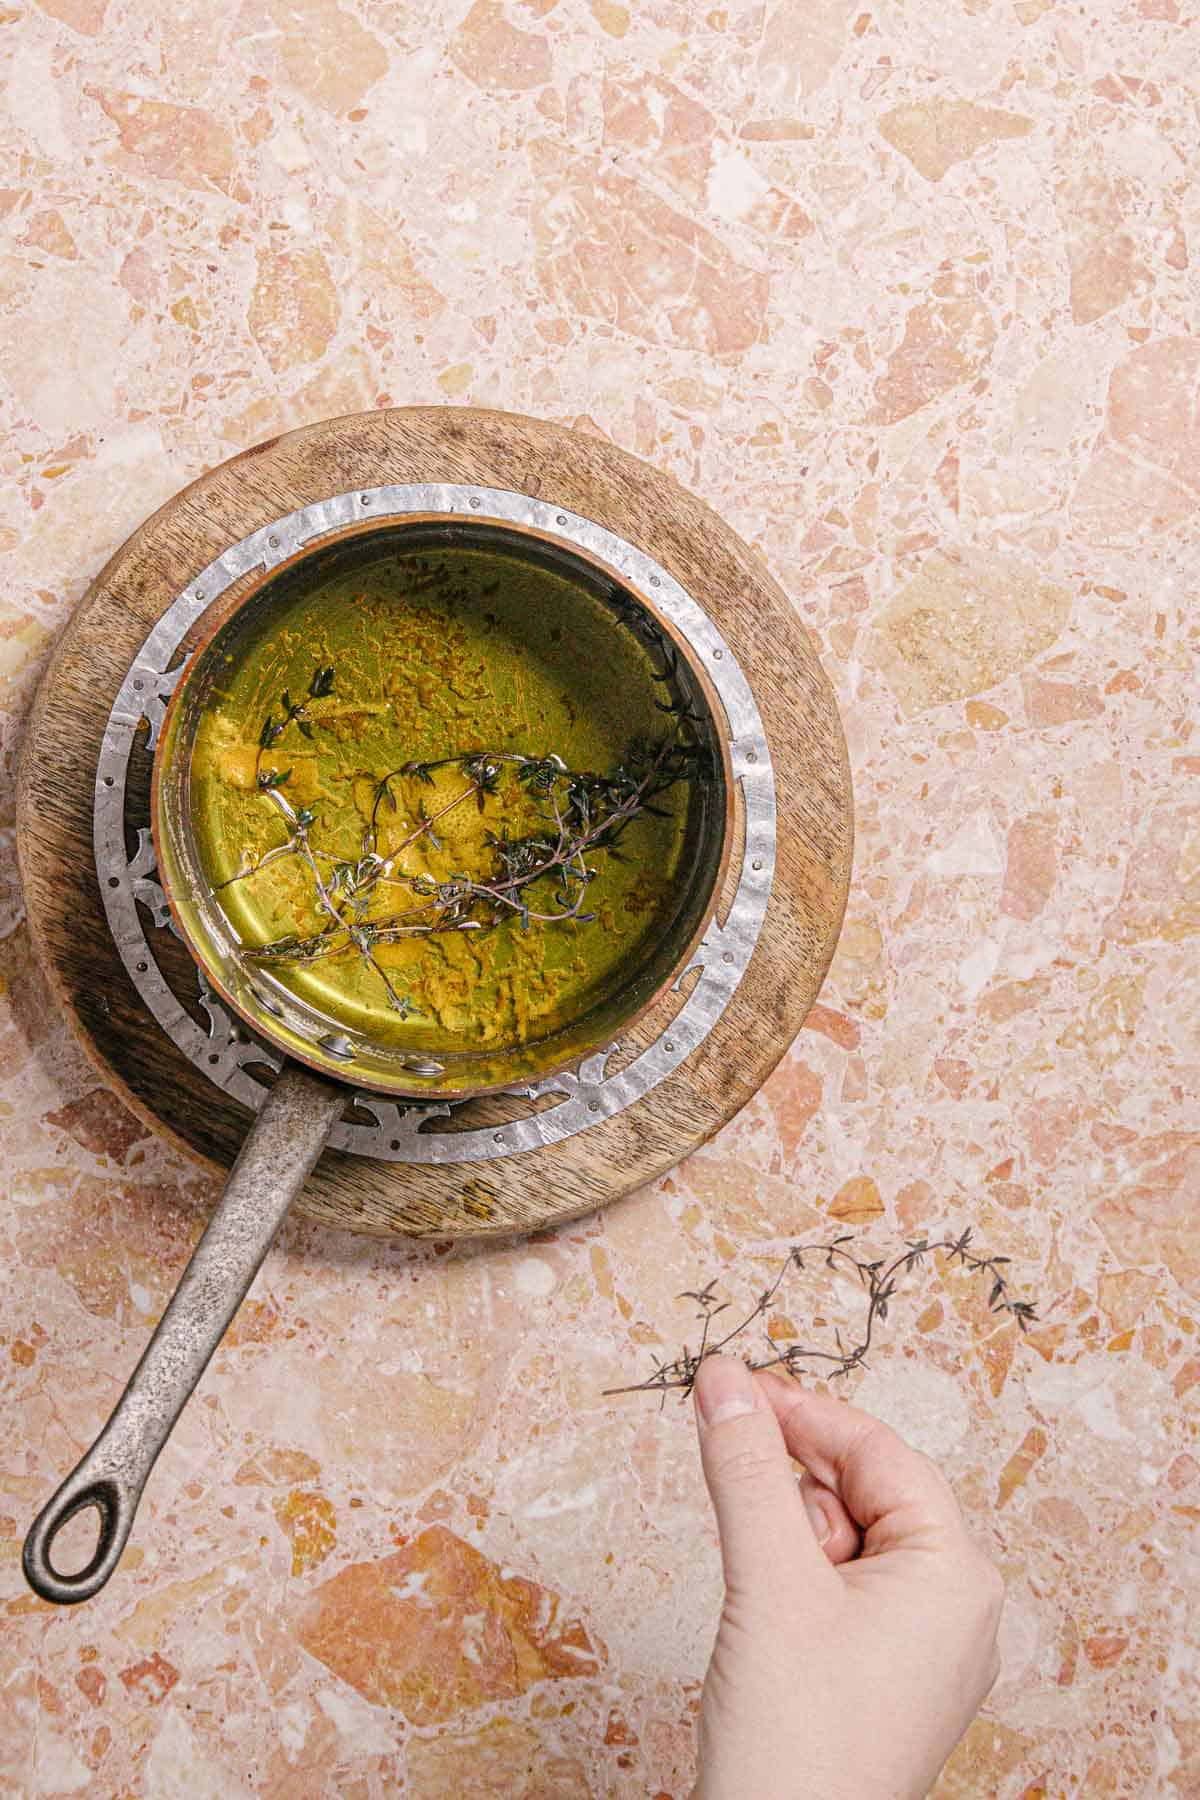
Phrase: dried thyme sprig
x=879 y=1278
x=588 y=813
x=269 y=781
x=583 y=813
x=294 y=713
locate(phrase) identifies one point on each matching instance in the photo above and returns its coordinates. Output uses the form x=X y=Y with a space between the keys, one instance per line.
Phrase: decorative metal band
x=224 y=1051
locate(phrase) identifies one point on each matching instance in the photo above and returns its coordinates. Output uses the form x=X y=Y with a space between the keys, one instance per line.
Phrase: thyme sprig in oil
x=581 y=815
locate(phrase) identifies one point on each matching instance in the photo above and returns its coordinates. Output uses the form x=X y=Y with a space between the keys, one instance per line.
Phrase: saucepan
x=440 y=807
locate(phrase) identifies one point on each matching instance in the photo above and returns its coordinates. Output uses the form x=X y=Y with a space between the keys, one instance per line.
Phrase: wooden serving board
x=585 y=475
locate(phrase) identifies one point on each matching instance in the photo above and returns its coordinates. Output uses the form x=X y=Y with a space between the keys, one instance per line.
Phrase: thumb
x=766 y=1537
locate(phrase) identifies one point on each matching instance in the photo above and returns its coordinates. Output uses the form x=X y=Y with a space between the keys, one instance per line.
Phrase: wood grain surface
x=586 y=475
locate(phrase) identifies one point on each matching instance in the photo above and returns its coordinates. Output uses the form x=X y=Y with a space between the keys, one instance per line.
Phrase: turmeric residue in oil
x=436 y=656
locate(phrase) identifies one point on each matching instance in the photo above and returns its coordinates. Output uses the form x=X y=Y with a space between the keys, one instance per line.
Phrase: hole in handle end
x=105 y=1495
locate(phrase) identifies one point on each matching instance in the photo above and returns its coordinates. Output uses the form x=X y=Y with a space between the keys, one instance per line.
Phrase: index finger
x=890 y=1490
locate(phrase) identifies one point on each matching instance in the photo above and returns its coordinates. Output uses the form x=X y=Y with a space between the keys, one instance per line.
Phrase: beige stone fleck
x=180 y=143
x=1125 y=1296
x=936 y=134
x=85 y=16
x=947 y=340
x=294 y=308
x=495 y=54
x=611 y=17
x=501 y=1757
x=799 y=49
x=324 y=50
x=369 y=240
x=964 y=624
x=612 y=250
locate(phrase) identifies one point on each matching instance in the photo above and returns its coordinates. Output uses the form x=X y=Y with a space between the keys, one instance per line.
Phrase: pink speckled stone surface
x=909 y=296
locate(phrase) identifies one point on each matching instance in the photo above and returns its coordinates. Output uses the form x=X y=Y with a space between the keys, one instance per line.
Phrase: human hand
x=838 y=1672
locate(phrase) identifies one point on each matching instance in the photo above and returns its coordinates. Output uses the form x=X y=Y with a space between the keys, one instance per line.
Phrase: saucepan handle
x=274 y=1161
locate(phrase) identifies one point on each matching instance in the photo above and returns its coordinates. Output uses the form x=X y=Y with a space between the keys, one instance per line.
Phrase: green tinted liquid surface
x=436 y=654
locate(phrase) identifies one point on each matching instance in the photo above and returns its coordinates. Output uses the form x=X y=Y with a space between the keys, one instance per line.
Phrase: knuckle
x=989 y=1586
x=937 y=1478
x=978 y=1585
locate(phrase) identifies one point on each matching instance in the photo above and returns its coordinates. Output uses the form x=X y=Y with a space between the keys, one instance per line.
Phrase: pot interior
x=357 y=771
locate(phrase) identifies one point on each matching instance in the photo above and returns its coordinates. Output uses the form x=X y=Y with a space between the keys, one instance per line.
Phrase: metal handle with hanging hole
x=272 y=1166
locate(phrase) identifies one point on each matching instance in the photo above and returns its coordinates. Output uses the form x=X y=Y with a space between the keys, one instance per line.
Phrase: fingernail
x=724 y=1390
x=818 y=1516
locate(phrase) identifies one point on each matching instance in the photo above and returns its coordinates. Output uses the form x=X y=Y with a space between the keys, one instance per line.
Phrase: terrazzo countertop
x=908 y=294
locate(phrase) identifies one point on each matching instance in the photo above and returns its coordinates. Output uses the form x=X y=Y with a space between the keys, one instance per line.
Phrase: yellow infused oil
x=435 y=654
